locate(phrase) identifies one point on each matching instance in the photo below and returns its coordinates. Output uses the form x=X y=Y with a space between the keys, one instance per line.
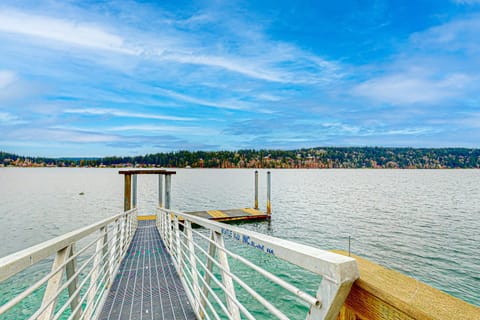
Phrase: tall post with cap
x=160 y=190
x=269 y=184
x=256 y=190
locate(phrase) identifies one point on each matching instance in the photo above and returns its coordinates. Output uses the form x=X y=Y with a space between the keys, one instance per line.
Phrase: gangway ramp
x=147 y=285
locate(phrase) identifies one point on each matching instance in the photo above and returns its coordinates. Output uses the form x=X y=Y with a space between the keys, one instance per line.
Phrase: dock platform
x=147 y=286
x=244 y=214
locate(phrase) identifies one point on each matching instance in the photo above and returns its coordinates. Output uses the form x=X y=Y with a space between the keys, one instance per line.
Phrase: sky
x=101 y=78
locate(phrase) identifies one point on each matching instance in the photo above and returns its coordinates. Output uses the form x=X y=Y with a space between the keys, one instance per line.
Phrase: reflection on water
x=424 y=223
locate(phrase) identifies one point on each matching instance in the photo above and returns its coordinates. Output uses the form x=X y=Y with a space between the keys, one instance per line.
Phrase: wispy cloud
x=439 y=64
x=234 y=105
x=7 y=118
x=467 y=1
x=159 y=128
x=126 y=114
x=69 y=32
x=273 y=61
x=6 y=78
x=410 y=88
x=458 y=36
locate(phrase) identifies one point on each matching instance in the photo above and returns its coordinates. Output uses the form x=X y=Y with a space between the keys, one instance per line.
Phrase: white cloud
x=261 y=58
x=459 y=36
x=70 y=32
x=6 y=79
x=410 y=88
x=10 y=119
x=467 y=1
x=127 y=114
x=6 y=117
x=407 y=131
x=167 y=129
x=242 y=67
x=435 y=66
x=233 y=105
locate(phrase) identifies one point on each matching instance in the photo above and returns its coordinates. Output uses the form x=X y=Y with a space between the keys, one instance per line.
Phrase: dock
x=132 y=266
x=147 y=285
x=237 y=215
x=223 y=215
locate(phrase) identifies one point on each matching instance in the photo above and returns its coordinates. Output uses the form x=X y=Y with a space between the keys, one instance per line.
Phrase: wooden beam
x=146 y=171
x=382 y=294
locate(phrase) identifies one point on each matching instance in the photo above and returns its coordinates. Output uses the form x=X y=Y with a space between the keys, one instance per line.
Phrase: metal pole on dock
x=134 y=191
x=256 y=190
x=269 y=185
x=127 y=194
x=160 y=190
x=168 y=187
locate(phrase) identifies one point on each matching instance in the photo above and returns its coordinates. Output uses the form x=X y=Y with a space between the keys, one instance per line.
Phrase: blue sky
x=97 y=78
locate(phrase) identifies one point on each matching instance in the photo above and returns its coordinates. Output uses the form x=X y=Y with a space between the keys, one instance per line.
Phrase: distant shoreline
x=312 y=158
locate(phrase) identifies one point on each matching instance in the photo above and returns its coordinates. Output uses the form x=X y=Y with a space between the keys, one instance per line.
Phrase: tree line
x=321 y=157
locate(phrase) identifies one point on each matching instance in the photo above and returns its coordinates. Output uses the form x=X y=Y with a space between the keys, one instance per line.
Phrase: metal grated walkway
x=147 y=285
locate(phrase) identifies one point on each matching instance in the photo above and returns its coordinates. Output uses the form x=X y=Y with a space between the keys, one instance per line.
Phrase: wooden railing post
x=226 y=278
x=125 y=232
x=70 y=270
x=212 y=249
x=179 y=247
x=113 y=248
x=193 y=266
x=54 y=284
x=105 y=256
x=94 y=277
x=169 y=234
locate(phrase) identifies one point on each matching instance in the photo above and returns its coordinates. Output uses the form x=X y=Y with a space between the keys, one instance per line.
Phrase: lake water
x=423 y=223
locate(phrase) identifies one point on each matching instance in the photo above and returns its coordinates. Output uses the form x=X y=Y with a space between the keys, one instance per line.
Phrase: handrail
x=338 y=272
x=18 y=261
x=96 y=271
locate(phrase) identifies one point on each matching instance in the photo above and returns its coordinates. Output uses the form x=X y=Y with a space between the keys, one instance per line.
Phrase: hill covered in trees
x=327 y=157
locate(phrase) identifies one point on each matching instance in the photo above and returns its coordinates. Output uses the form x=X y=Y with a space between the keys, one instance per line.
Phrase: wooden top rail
x=382 y=294
x=146 y=171
x=18 y=261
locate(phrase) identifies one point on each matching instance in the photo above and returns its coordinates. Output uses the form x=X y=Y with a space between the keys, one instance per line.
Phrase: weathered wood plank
x=383 y=294
x=146 y=171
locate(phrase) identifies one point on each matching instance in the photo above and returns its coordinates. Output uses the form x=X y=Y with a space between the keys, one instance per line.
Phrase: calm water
x=424 y=223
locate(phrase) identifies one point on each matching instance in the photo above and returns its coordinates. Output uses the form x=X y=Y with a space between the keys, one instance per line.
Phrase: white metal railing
x=84 y=265
x=195 y=255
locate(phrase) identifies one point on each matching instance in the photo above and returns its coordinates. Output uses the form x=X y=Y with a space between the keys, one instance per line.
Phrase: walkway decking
x=244 y=214
x=147 y=285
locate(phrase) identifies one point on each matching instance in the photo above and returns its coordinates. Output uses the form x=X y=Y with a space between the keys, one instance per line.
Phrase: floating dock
x=224 y=215
x=237 y=215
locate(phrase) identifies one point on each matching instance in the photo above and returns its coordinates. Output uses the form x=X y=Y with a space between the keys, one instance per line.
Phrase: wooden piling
x=134 y=191
x=256 y=190
x=168 y=190
x=160 y=190
x=127 y=194
x=269 y=187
